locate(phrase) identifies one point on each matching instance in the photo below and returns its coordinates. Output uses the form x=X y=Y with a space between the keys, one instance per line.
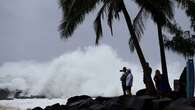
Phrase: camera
x=122 y=71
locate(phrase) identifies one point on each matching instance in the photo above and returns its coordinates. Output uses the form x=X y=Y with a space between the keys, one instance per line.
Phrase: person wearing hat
x=123 y=79
x=129 y=81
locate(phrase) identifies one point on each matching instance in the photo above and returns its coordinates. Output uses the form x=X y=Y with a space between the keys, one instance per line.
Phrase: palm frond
x=113 y=12
x=131 y=45
x=110 y=17
x=159 y=9
x=139 y=26
x=98 y=24
x=98 y=29
x=139 y=22
x=181 y=45
x=173 y=28
x=74 y=12
x=183 y=3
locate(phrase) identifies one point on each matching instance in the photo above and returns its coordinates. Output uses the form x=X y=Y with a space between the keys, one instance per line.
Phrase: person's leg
x=129 y=91
x=124 y=89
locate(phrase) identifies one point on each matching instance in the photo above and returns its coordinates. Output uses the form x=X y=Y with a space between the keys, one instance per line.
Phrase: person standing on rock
x=123 y=79
x=157 y=79
x=129 y=81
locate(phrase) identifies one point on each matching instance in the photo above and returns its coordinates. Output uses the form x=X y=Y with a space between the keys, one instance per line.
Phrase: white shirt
x=129 y=80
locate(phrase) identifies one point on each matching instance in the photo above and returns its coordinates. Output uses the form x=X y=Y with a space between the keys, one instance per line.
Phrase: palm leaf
x=139 y=22
x=113 y=12
x=159 y=9
x=110 y=17
x=185 y=47
x=111 y=8
x=139 y=26
x=98 y=25
x=173 y=28
x=74 y=12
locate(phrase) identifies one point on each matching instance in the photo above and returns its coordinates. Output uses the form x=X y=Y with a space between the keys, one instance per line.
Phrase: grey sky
x=29 y=31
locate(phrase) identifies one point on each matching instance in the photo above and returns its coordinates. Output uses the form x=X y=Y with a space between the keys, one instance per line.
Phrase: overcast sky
x=29 y=31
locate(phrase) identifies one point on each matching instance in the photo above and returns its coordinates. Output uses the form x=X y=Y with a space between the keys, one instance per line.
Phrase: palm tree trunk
x=163 y=60
x=133 y=35
x=147 y=70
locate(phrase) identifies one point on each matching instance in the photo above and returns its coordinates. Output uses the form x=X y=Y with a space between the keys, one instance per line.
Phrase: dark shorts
x=128 y=87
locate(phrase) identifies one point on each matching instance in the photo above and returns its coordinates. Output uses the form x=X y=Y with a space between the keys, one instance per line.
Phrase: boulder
x=123 y=103
x=53 y=107
x=4 y=93
x=77 y=98
x=160 y=104
x=181 y=104
x=37 y=108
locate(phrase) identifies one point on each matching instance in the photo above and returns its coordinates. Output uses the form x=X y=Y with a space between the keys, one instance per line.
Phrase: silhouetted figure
x=123 y=79
x=157 y=79
x=129 y=81
x=148 y=80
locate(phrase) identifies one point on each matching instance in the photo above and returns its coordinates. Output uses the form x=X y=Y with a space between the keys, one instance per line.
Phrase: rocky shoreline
x=85 y=102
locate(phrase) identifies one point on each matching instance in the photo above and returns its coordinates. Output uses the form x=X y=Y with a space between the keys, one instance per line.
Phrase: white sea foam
x=93 y=71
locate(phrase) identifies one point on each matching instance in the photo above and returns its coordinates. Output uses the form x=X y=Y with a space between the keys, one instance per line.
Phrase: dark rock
x=97 y=106
x=147 y=102
x=37 y=96
x=82 y=103
x=17 y=94
x=53 y=107
x=4 y=93
x=180 y=101
x=193 y=102
x=137 y=103
x=108 y=103
x=37 y=108
x=113 y=104
x=77 y=98
x=181 y=104
x=102 y=99
x=64 y=107
x=160 y=104
x=141 y=92
x=127 y=102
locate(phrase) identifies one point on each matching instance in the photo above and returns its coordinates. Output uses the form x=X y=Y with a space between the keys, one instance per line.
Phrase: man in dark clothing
x=157 y=79
x=148 y=80
x=123 y=79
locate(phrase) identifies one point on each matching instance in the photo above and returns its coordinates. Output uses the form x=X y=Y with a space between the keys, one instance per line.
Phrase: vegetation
x=161 y=12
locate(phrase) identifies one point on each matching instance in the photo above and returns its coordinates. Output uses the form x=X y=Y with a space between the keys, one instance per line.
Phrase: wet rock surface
x=85 y=102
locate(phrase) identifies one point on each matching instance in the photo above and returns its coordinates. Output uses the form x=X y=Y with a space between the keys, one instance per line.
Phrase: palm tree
x=161 y=13
x=74 y=12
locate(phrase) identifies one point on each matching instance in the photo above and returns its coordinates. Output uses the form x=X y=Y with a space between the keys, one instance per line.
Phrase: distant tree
x=74 y=12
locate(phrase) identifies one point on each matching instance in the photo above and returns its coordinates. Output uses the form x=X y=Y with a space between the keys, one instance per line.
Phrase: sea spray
x=92 y=70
